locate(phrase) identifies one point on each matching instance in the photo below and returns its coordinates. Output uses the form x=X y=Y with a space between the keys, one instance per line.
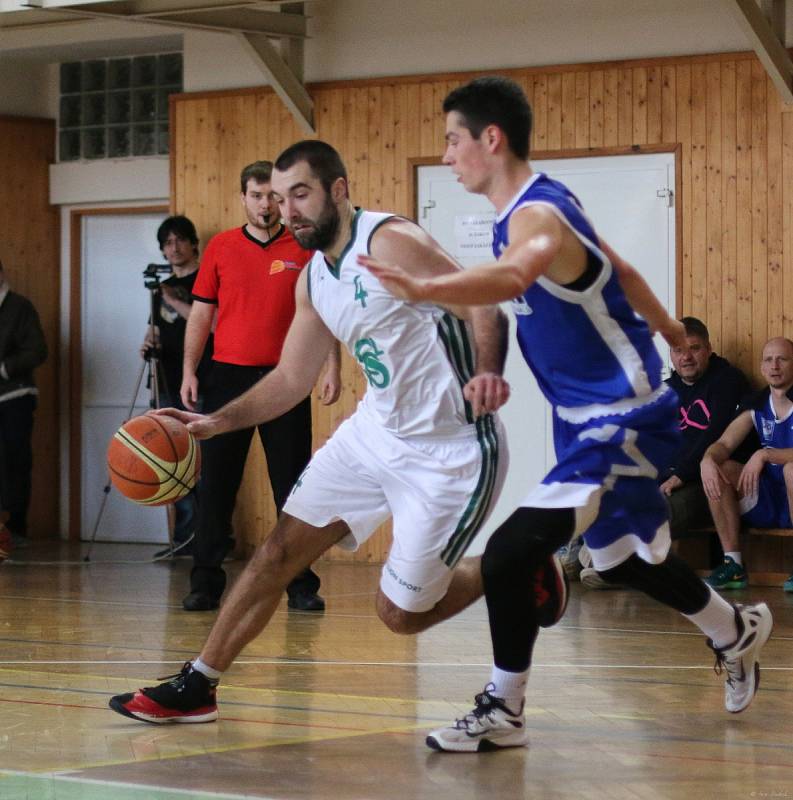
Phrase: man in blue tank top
x=577 y=305
x=761 y=491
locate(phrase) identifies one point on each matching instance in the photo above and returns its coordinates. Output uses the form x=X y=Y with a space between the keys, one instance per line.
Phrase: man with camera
x=164 y=342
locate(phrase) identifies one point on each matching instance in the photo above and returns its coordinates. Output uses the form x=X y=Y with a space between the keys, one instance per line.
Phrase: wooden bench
x=767 y=553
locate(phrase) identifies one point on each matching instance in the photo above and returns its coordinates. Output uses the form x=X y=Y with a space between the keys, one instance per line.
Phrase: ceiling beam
x=281 y=78
x=765 y=42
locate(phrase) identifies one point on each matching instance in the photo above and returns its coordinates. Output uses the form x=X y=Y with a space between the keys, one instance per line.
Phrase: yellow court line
x=233 y=687
x=188 y=752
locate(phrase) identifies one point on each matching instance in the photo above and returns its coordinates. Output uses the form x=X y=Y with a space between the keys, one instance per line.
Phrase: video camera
x=151 y=275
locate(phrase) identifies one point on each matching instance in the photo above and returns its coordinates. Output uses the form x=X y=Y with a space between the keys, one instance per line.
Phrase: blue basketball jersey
x=584 y=347
x=614 y=420
x=769 y=507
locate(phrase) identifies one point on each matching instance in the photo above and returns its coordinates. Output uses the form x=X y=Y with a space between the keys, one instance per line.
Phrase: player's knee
x=787 y=472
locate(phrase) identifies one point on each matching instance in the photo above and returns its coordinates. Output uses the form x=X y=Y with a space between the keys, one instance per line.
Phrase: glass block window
x=116 y=107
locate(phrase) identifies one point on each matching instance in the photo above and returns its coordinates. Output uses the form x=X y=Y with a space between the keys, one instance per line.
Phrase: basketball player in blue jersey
x=761 y=491
x=422 y=445
x=577 y=306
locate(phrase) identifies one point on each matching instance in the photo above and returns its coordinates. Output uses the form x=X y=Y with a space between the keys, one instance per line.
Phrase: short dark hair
x=493 y=100
x=259 y=172
x=324 y=160
x=179 y=225
x=696 y=327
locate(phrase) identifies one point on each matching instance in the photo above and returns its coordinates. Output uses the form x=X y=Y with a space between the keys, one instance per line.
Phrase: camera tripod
x=151 y=363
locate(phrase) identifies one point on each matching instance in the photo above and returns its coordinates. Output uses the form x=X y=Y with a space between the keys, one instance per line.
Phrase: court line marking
x=141 y=787
x=331 y=663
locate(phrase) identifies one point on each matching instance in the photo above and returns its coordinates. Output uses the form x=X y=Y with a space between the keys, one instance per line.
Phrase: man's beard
x=323 y=233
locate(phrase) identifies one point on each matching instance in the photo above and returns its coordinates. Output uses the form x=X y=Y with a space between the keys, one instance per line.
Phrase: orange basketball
x=153 y=460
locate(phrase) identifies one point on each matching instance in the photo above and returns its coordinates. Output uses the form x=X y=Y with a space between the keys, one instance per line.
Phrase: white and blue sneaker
x=741 y=660
x=490 y=726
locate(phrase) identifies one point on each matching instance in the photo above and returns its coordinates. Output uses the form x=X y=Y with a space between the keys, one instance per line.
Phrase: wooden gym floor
x=623 y=702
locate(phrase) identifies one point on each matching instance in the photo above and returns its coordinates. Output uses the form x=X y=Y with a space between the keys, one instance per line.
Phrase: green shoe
x=788 y=584
x=729 y=575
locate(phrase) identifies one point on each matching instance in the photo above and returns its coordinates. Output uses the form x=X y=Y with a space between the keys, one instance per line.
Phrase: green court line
x=26 y=786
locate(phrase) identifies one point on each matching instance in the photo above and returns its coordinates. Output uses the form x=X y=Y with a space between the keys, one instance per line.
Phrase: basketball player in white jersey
x=422 y=446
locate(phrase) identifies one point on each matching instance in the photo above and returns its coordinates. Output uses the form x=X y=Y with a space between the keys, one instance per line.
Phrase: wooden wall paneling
x=539 y=138
x=30 y=251
x=759 y=215
x=654 y=108
x=427 y=112
x=727 y=224
x=669 y=104
x=713 y=222
x=625 y=107
x=387 y=146
x=596 y=108
x=569 y=107
x=554 y=134
x=581 y=129
x=743 y=226
x=776 y=291
x=374 y=148
x=639 y=106
x=699 y=195
x=611 y=108
x=787 y=222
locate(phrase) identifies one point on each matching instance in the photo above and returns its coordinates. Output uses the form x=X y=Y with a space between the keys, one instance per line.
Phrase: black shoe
x=186 y=697
x=306 y=601
x=200 y=601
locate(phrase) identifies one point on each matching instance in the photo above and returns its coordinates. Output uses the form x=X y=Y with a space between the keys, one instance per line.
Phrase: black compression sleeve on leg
x=672 y=582
x=511 y=557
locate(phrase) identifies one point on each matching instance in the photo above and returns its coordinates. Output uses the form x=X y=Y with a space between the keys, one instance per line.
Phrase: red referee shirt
x=253 y=285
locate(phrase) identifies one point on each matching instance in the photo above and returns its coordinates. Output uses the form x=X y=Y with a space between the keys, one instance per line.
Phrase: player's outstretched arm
x=305 y=350
x=644 y=302
x=535 y=240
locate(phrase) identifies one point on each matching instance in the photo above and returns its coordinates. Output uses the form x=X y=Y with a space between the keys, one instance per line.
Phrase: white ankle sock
x=206 y=670
x=510 y=687
x=736 y=557
x=716 y=621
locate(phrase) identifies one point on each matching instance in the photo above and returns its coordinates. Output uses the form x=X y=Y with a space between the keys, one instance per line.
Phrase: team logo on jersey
x=521 y=307
x=360 y=293
x=368 y=353
x=768 y=426
x=279 y=266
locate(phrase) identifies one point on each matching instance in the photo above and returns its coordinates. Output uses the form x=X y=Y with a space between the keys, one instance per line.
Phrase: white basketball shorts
x=438 y=491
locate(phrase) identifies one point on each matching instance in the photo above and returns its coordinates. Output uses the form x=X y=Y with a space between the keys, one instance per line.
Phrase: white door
x=629 y=200
x=115 y=311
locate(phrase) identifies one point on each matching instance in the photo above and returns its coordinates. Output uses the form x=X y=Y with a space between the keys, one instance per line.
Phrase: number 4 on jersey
x=360 y=293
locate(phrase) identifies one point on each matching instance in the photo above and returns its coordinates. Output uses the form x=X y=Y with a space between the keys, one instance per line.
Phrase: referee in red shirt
x=248 y=275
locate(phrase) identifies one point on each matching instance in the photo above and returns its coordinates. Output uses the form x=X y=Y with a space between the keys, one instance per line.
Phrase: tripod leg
x=108 y=485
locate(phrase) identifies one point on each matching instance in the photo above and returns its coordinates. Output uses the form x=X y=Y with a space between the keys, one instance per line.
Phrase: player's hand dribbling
x=486 y=393
x=394 y=278
x=202 y=426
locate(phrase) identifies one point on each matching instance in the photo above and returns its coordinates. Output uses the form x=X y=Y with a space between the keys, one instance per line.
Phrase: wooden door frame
x=75 y=360
x=588 y=152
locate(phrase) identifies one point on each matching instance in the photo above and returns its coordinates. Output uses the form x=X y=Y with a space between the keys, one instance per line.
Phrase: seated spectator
x=760 y=491
x=710 y=390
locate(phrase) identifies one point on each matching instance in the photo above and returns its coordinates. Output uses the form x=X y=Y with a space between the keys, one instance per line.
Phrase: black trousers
x=16 y=457
x=287 y=447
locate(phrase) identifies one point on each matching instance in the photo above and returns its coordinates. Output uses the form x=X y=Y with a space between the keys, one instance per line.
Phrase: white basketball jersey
x=416 y=357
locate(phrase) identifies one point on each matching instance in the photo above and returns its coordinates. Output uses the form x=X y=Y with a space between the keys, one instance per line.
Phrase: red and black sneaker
x=551 y=591
x=186 y=697
x=6 y=540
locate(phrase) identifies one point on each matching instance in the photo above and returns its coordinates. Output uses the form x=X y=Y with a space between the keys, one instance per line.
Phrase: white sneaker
x=740 y=660
x=490 y=726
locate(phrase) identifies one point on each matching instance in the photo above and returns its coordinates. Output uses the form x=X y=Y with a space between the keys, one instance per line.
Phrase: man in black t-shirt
x=171 y=308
